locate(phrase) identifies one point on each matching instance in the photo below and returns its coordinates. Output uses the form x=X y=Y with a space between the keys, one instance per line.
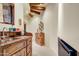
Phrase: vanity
x=16 y=46
x=12 y=43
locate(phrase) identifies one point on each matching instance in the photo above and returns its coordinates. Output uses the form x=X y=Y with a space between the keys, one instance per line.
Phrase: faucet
x=3 y=31
x=3 y=36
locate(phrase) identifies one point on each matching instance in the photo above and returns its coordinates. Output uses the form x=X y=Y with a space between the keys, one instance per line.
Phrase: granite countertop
x=14 y=40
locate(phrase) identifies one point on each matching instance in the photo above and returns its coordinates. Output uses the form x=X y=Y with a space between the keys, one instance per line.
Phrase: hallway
x=41 y=50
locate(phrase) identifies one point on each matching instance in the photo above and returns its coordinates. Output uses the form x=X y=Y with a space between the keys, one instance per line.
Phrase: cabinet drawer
x=13 y=47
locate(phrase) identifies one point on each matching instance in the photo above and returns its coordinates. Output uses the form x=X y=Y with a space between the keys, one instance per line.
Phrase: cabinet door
x=12 y=48
x=21 y=53
x=29 y=50
x=17 y=54
x=29 y=54
x=29 y=47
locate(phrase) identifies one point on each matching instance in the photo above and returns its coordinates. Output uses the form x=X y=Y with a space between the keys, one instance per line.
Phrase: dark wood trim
x=34 y=11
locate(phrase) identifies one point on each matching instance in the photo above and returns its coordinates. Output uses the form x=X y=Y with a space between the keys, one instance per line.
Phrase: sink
x=16 y=38
x=4 y=39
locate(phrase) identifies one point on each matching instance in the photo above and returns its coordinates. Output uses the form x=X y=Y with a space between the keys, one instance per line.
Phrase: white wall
x=32 y=25
x=70 y=21
x=1 y=13
x=50 y=20
x=19 y=14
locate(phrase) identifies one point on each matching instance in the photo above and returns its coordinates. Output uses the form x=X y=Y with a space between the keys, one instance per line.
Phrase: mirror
x=8 y=13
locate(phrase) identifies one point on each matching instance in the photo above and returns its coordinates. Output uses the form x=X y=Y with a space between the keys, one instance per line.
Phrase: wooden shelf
x=37 y=8
x=39 y=5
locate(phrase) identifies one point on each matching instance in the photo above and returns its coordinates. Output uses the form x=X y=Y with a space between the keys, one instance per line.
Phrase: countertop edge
x=14 y=41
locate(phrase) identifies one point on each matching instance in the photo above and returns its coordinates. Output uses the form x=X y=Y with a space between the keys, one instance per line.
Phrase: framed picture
x=8 y=13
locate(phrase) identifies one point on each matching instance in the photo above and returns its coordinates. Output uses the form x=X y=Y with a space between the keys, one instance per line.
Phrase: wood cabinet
x=14 y=48
x=29 y=47
x=19 y=48
x=40 y=38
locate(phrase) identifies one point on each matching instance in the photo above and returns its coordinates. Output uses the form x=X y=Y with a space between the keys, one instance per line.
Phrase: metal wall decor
x=41 y=26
